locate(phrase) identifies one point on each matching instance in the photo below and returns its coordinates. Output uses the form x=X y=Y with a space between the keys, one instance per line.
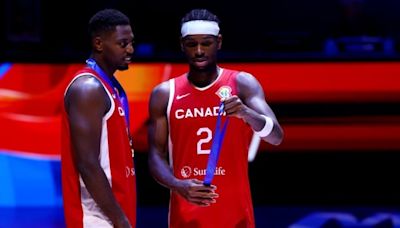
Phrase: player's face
x=118 y=47
x=201 y=50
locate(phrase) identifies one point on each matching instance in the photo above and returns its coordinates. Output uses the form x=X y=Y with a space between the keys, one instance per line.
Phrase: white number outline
x=204 y=140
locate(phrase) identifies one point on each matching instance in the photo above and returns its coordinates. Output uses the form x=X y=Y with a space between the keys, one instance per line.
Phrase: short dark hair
x=200 y=14
x=106 y=20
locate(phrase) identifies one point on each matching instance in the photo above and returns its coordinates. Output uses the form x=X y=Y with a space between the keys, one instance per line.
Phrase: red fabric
x=120 y=161
x=191 y=136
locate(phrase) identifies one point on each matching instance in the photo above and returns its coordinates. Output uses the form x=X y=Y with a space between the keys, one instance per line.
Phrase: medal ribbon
x=218 y=138
x=118 y=91
x=114 y=84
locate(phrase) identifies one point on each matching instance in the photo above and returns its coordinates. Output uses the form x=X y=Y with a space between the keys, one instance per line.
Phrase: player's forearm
x=254 y=119
x=161 y=171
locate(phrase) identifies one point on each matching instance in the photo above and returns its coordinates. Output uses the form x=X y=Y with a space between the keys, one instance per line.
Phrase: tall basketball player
x=184 y=112
x=98 y=176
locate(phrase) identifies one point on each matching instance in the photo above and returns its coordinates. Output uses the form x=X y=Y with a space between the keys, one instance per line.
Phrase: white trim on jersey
x=253 y=148
x=109 y=113
x=95 y=221
x=93 y=216
x=104 y=155
x=170 y=100
x=170 y=146
x=218 y=77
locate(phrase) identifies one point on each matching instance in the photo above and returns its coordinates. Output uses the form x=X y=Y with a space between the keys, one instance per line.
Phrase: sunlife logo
x=187 y=171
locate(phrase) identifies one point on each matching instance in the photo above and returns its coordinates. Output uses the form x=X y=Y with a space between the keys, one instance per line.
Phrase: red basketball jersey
x=115 y=158
x=192 y=116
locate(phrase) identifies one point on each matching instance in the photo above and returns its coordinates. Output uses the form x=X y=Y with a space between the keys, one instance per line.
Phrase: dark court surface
x=266 y=216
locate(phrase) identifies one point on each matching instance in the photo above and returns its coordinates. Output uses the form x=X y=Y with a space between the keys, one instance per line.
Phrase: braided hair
x=200 y=14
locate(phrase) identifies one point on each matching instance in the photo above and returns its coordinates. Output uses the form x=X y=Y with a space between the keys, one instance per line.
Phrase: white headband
x=200 y=27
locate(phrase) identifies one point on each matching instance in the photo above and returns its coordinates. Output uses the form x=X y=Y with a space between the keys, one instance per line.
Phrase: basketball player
x=184 y=112
x=98 y=176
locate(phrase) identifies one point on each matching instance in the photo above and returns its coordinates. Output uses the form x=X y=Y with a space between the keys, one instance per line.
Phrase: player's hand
x=234 y=106
x=196 y=192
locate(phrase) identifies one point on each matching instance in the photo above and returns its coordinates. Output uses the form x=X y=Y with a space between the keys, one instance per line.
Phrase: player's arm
x=86 y=103
x=192 y=190
x=251 y=106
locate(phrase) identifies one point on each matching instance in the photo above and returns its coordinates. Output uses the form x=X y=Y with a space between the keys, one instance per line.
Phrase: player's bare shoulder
x=85 y=84
x=85 y=89
x=159 y=96
x=247 y=83
x=161 y=91
x=246 y=79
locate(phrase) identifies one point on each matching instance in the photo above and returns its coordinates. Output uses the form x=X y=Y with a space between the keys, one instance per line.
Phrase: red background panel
x=31 y=97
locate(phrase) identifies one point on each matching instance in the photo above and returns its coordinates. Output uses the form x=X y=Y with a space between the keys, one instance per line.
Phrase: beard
x=204 y=68
x=123 y=67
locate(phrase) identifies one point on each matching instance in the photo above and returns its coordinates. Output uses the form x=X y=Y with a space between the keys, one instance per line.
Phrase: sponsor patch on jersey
x=224 y=92
x=187 y=171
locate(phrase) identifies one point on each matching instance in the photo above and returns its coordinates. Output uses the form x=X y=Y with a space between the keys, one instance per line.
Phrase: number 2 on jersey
x=208 y=136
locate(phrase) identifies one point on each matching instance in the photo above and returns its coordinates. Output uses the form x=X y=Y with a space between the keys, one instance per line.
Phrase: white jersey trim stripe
x=109 y=113
x=207 y=87
x=170 y=101
x=170 y=146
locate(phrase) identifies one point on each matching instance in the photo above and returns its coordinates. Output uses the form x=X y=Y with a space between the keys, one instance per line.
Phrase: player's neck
x=203 y=78
x=108 y=70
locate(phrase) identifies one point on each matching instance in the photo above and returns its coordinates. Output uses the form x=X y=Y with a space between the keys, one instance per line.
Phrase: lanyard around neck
x=115 y=86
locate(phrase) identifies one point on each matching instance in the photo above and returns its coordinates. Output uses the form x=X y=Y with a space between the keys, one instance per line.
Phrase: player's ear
x=219 y=41
x=98 y=43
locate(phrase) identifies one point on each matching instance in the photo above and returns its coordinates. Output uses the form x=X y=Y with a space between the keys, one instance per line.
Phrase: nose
x=199 y=50
x=130 y=49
